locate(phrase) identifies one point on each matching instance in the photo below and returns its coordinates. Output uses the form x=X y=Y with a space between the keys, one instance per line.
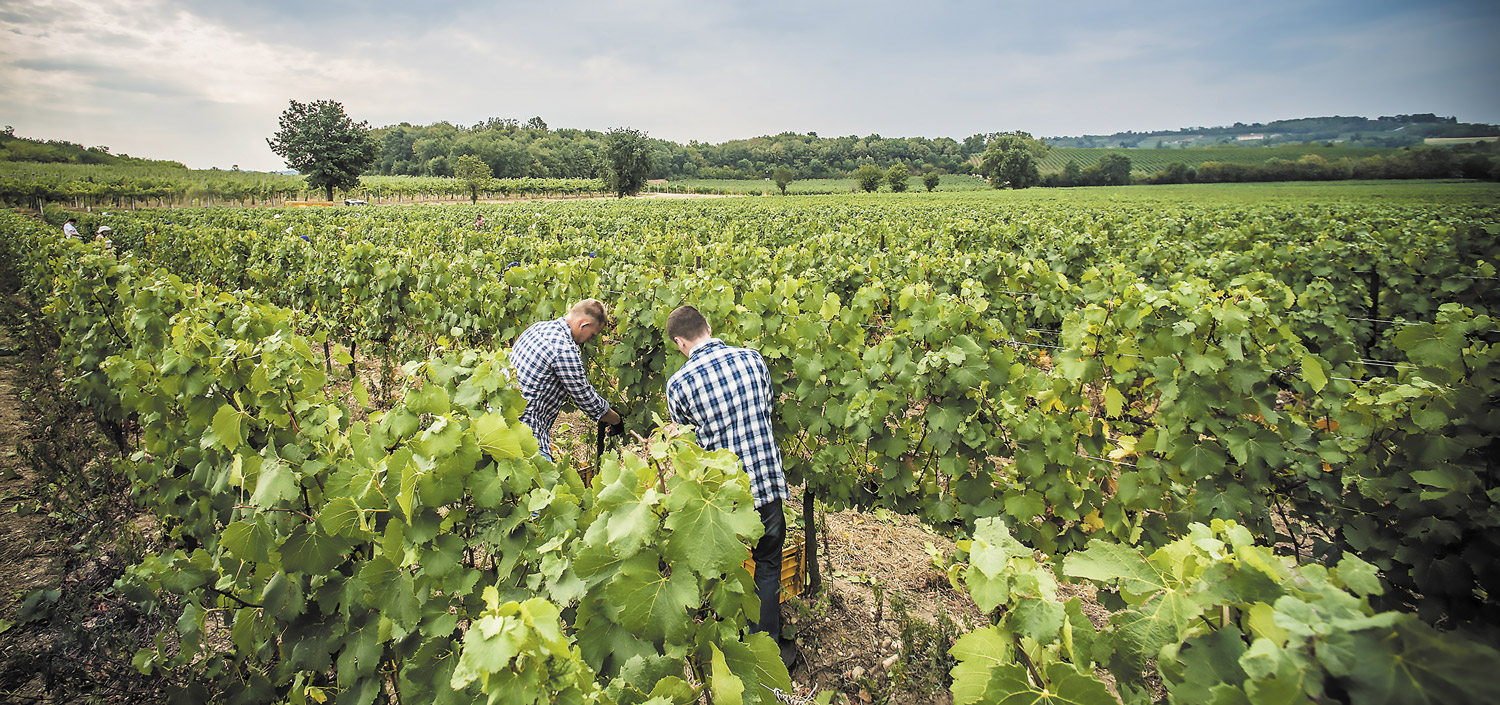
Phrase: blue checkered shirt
x=549 y=369
x=726 y=393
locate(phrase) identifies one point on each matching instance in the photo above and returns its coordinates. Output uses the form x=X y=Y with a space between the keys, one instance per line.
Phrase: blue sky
x=203 y=82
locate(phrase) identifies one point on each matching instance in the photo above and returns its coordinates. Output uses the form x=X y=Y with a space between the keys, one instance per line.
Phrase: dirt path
x=30 y=558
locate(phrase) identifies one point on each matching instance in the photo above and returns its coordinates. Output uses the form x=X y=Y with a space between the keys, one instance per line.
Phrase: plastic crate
x=793 y=567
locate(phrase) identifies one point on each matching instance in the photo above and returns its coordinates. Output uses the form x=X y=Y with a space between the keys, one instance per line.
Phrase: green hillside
x=1154 y=160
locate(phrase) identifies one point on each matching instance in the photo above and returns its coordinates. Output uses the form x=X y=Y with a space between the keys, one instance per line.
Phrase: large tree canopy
x=325 y=145
x=627 y=161
x=473 y=172
x=1010 y=159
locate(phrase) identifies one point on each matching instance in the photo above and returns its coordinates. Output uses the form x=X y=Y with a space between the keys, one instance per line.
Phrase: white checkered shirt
x=549 y=368
x=726 y=393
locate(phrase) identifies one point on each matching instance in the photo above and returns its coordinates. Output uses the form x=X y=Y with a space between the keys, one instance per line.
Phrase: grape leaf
x=651 y=604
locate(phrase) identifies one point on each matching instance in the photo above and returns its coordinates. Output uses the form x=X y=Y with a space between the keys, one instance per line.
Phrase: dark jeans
x=767 y=556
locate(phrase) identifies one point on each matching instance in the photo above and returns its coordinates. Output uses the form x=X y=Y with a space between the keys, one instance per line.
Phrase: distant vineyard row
x=80 y=186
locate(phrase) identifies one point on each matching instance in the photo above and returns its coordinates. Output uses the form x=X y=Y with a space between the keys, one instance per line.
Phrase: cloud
x=204 y=81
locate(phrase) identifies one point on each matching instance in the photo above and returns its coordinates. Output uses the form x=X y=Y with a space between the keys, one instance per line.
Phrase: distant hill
x=1386 y=132
x=22 y=149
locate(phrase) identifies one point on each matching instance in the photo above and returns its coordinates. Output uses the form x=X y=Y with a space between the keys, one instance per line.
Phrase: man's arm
x=677 y=407
x=570 y=371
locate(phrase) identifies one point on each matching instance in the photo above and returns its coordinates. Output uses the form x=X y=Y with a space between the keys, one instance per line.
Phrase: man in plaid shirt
x=549 y=368
x=725 y=393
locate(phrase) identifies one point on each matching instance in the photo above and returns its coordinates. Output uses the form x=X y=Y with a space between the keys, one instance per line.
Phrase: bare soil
x=67 y=531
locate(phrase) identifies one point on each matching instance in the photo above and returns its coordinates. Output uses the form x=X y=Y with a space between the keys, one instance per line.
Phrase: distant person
x=479 y=222
x=549 y=368
x=102 y=235
x=70 y=229
x=725 y=393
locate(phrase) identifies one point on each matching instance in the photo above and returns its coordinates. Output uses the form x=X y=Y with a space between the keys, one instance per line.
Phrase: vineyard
x=1153 y=160
x=1259 y=423
x=81 y=186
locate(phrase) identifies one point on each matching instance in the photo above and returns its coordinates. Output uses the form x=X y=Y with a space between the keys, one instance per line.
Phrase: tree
x=325 y=145
x=1010 y=159
x=627 y=161
x=473 y=172
x=536 y=123
x=869 y=177
x=783 y=176
x=930 y=180
x=1071 y=174
x=898 y=177
x=1115 y=168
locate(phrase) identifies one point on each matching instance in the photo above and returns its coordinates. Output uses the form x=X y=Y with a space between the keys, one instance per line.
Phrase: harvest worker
x=70 y=229
x=725 y=392
x=549 y=367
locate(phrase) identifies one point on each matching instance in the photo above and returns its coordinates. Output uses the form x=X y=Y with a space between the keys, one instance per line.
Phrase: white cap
x=104 y=228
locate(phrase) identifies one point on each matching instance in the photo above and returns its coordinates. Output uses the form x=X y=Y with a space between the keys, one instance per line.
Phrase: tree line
x=1473 y=161
x=512 y=149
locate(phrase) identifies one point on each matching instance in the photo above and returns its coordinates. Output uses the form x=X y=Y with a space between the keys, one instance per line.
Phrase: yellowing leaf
x=1125 y=450
x=1114 y=402
x=1313 y=373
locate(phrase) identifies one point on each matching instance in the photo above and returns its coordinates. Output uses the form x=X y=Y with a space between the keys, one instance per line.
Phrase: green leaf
x=978 y=653
x=1108 y=562
x=497 y=438
x=1360 y=577
x=727 y=688
x=757 y=663
x=1038 y=618
x=630 y=520
x=652 y=605
x=1313 y=371
x=1010 y=684
x=249 y=540
x=430 y=399
x=276 y=482
x=708 y=531
x=340 y=517
x=1430 y=345
x=1208 y=660
x=1417 y=664
x=226 y=426
x=310 y=552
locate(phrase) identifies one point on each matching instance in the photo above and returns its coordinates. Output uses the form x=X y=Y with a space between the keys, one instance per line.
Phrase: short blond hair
x=594 y=309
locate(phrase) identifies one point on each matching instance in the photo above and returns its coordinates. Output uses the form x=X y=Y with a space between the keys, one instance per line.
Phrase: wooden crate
x=793 y=567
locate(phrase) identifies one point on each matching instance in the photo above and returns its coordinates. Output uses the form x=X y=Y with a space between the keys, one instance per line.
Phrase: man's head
x=586 y=319
x=72 y=220
x=687 y=328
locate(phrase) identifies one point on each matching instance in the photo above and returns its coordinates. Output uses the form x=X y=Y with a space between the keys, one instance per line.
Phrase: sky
x=204 y=81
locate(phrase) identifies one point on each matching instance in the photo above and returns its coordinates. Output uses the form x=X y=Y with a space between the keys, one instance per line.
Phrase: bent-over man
x=549 y=368
x=725 y=392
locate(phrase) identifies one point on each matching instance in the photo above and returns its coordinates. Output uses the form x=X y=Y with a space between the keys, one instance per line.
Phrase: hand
x=611 y=418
